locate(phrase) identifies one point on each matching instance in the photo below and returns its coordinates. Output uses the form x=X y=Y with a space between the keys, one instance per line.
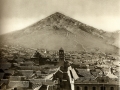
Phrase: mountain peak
x=59 y=30
x=57 y=14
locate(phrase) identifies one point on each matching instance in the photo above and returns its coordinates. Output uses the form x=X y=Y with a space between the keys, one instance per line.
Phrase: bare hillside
x=58 y=30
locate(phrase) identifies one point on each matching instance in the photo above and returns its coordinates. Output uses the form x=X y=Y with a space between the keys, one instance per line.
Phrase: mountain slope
x=58 y=30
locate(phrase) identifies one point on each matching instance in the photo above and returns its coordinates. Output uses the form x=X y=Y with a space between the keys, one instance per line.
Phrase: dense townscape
x=41 y=69
x=59 y=53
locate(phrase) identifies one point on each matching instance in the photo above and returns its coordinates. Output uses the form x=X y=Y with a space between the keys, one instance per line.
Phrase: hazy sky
x=18 y=14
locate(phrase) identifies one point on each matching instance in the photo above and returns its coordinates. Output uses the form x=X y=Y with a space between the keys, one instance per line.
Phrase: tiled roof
x=16 y=78
x=30 y=67
x=5 y=65
x=19 y=59
x=85 y=73
x=24 y=84
x=106 y=79
x=115 y=81
x=4 y=81
x=41 y=81
x=96 y=72
x=27 y=73
x=27 y=63
x=36 y=81
x=9 y=71
x=86 y=80
x=17 y=73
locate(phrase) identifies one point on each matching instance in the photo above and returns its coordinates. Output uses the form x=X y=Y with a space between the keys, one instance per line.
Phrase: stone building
x=85 y=81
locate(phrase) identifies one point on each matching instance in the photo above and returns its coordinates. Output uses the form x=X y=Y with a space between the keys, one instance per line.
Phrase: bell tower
x=61 y=55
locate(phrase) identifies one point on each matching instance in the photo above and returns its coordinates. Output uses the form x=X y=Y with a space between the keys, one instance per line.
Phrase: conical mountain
x=58 y=30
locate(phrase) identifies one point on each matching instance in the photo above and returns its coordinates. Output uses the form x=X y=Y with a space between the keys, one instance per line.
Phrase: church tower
x=61 y=55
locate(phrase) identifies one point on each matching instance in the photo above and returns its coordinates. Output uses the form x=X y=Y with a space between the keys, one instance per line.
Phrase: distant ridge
x=59 y=30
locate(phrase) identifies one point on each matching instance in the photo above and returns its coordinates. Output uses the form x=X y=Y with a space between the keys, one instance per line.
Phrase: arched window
x=94 y=88
x=102 y=88
x=15 y=88
x=111 y=88
x=77 y=88
x=85 y=88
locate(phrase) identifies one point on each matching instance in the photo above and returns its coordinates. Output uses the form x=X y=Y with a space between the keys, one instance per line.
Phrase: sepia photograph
x=59 y=44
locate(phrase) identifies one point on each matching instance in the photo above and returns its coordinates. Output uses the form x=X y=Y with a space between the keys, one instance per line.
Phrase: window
x=94 y=88
x=102 y=88
x=111 y=88
x=15 y=88
x=85 y=88
x=77 y=88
